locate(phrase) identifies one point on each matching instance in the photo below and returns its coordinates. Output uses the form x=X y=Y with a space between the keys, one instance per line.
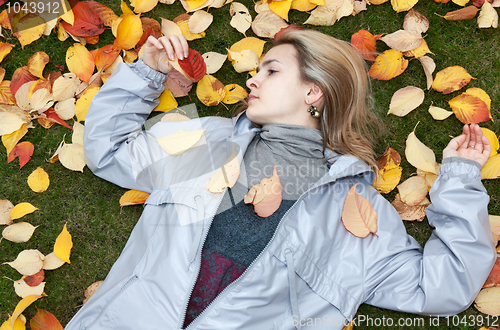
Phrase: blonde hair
x=346 y=122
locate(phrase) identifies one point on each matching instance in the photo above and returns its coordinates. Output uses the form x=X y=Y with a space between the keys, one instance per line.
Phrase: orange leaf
x=6 y=96
x=36 y=279
x=87 y=23
x=265 y=196
x=388 y=65
x=37 y=62
x=358 y=215
x=5 y=49
x=133 y=197
x=129 y=32
x=451 y=79
x=106 y=14
x=469 y=109
x=4 y=20
x=24 y=151
x=80 y=62
x=52 y=116
x=210 y=90
x=22 y=305
x=21 y=76
x=365 y=43
x=44 y=320
x=105 y=57
x=494 y=277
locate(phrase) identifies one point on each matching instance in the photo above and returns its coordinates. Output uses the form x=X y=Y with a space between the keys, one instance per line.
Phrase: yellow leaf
x=469 y=109
x=405 y=100
x=23 y=290
x=388 y=65
x=439 y=113
x=234 y=93
x=195 y=4
x=460 y=2
x=5 y=208
x=5 y=49
x=403 y=5
x=52 y=262
x=419 y=51
x=413 y=190
x=488 y=16
x=167 y=102
x=451 y=79
x=246 y=60
x=65 y=86
x=199 y=21
x=214 y=61
x=38 y=180
x=224 y=176
x=265 y=196
x=241 y=19
x=63 y=245
x=302 y=5
x=184 y=26
x=29 y=28
x=251 y=43
x=389 y=172
x=128 y=33
x=143 y=6
x=492 y=137
x=478 y=92
x=80 y=62
x=125 y=9
x=21 y=209
x=18 y=232
x=28 y=262
x=488 y=301
x=491 y=170
x=403 y=40
x=22 y=305
x=71 y=156
x=19 y=324
x=83 y=103
x=358 y=215
x=133 y=197
x=9 y=122
x=280 y=8
x=10 y=140
x=210 y=91
x=37 y=62
x=180 y=141
x=419 y=155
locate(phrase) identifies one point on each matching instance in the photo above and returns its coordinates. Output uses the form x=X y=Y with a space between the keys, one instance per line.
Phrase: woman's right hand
x=158 y=52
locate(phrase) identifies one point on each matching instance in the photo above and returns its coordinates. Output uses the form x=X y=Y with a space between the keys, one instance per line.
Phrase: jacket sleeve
x=116 y=148
x=445 y=277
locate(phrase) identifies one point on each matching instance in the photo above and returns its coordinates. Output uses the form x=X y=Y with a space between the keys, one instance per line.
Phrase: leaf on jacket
x=35 y=279
x=469 y=109
x=415 y=22
x=402 y=5
x=38 y=180
x=19 y=232
x=266 y=24
x=23 y=290
x=495 y=227
x=23 y=150
x=28 y=262
x=389 y=171
x=224 y=176
x=410 y=213
x=419 y=155
x=80 y=62
x=128 y=32
x=491 y=170
x=388 y=65
x=234 y=93
x=10 y=140
x=358 y=215
x=488 y=16
x=180 y=141
x=214 y=61
x=439 y=113
x=451 y=79
x=492 y=137
x=133 y=197
x=365 y=44
x=52 y=262
x=488 y=301
x=44 y=320
x=403 y=40
x=89 y=292
x=82 y=105
x=494 y=276
x=174 y=116
x=199 y=21
x=241 y=19
x=63 y=245
x=210 y=91
x=265 y=196
x=429 y=67
x=5 y=208
x=405 y=100
x=413 y=190
x=37 y=62
x=167 y=101
x=466 y=13
x=22 y=305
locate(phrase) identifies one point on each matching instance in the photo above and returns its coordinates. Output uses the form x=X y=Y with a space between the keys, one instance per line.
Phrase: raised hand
x=471 y=144
x=158 y=52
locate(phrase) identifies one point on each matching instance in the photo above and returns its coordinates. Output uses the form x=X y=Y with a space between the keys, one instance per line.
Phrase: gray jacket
x=312 y=269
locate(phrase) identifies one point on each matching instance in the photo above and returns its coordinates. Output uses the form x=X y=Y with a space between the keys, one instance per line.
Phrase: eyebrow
x=266 y=63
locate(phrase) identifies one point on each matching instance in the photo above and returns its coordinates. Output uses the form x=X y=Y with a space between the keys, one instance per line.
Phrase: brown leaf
x=89 y=292
x=178 y=84
x=466 y=13
x=149 y=23
x=36 y=279
x=410 y=213
x=358 y=215
x=106 y=14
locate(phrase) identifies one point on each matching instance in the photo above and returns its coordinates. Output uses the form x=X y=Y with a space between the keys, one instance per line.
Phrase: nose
x=252 y=82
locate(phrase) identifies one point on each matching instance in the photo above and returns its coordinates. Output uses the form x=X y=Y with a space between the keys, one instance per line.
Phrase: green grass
x=90 y=205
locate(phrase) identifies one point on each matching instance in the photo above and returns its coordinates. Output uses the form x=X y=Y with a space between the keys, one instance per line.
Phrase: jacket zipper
x=218 y=297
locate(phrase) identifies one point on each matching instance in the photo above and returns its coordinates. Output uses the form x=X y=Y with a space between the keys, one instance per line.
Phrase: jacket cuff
x=463 y=160
x=155 y=79
x=461 y=166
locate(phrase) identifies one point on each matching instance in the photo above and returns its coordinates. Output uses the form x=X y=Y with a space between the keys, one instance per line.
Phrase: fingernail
x=171 y=56
x=180 y=56
x=186 y=54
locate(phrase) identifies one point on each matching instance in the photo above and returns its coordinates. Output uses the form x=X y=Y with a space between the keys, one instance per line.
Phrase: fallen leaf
x=488 y=16
x=128 y=33
x=466 y=13
x=38 y=180
x=19 y=232
x=246 y=60
x=200 y=21
x=405 y=100
x=492 y=137
x=6 y=96
x=403 y=5
x=44 y=320
x=429 y=177
x=241 y=19
x=451 y=79
x=419 y=51
x=5 y=207
x=86 y=21
x=154 y=25
x=469 y=109
x=493 y=279
x=63 y=245
x=403 y=40
x=267 y=24
x=488 y=301
x=133 y=197
x=35 y=279
x=89 y=292
x=280 y=8
x=125 y=9
x=28 y=262
x=302 y=5
x=78 y=131
x=365 y=44
x=37 y=62
x=106 y=14
x=167 y=102
x=80 y=62
x=52 y=262
x=29 y=28
x=410 y=213
x=359 y=6
x=178 y=84
x=478 y=92
x=429 y=67
x=210 y=91
x=183 y=22
x=389 y=172
x=213 y=61
x=23 y=290
x=419 y=155
x=10 y=140
x=460 y=2
x=413 y=191
x=358 y=215
x=439 y=113
x=105 y=57
x=491 y=170
x=415 y=22
x=22 y=305
x=23 y=150
x=180 y=141
x=65 y=109
x=495 y=227
x=388 y=65
x=265 y=196
x=52 y=116
x=19 y=78
x=10 y=123
x=65 y=87
x=224 y=176
x=21 y=209
x=143 y=6
x=234 y=93
x=252 y=43
x=169 y=28
x=5 y=49
x=71 y=156
x=83 y=103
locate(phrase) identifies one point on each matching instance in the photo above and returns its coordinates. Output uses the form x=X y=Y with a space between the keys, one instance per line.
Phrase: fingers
x=457 y=142
x=152 y=40
x=175 y=46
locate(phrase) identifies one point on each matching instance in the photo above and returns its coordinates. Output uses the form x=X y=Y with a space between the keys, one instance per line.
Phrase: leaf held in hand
x=63 y=245
x=38 y=180
x=193 y=67
x=265 y=196
x=358 y=215
x=133 y=197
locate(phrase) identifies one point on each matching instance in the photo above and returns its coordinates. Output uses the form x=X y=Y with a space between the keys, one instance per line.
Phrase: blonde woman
x=201 y=259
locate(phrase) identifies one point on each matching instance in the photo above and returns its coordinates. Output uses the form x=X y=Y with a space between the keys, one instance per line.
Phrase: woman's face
x=277 y=95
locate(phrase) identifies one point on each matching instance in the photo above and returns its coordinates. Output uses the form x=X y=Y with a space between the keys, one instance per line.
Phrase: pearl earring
x=314 y=112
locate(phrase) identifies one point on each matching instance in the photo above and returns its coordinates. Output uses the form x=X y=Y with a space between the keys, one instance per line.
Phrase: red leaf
x=289 y=27
x=19 y=78
x=494 y=277
x=51 y=115
x=194 y=65
x=105 y=56
x=24 y=151
x=87 y=22
x=149 y=32
x=44 y=320
x=365 y=44
x=479 y=3
x=36 y=279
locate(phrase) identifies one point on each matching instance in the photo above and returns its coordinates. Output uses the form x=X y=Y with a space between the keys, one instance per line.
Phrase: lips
x=251 y=97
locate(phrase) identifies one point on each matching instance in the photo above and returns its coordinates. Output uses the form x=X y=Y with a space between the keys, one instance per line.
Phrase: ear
x=314 y=94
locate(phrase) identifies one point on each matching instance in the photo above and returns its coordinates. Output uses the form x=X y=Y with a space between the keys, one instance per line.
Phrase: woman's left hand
x=471 y=144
